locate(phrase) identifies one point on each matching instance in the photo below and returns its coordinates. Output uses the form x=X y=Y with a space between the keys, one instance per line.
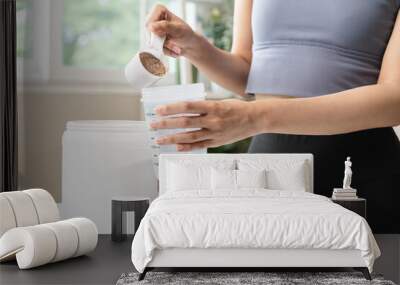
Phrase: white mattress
x=250 y=219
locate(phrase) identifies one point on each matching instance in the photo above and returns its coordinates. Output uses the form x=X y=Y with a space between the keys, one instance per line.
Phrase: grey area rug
x=235 y=278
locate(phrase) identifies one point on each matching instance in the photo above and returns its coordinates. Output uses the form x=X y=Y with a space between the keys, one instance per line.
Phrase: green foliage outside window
x=100 y=33
x=236 y=147
x=218 y=24
x=24 y=28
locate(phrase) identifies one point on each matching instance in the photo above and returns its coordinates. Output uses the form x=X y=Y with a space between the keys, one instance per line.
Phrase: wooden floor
x=102 y=266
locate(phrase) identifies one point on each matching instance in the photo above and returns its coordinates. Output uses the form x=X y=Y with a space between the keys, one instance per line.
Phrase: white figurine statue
x=348 y=173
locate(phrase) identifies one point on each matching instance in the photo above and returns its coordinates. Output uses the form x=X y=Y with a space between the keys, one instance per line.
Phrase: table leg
x=140 y=211
x=116 y=221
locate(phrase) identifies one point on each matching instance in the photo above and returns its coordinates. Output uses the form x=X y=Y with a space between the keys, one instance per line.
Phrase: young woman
x=326 y=79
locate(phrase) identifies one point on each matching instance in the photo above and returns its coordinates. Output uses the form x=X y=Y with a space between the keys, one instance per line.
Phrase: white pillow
x=282 y=174
x=182 y=178
x=223 y=179
x=251 y=178
x=186 y=174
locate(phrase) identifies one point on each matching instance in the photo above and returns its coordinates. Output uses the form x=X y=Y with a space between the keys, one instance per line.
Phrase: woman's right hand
x=180 y=38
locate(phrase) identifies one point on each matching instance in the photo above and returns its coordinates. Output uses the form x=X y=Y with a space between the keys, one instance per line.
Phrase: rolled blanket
x=40 y=244
x=26 y=208
x=45 y=206
x=7 y=218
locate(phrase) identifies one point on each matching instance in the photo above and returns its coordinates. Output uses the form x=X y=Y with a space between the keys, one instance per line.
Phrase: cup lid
x=174 y=92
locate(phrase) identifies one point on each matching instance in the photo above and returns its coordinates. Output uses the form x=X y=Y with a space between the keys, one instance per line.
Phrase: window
x=92 y=40
x=100 y=33
x=96 y=38
x=24 y=29
x=33 y=29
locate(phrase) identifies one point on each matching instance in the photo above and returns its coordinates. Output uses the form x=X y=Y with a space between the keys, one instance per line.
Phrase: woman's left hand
x=220 y=122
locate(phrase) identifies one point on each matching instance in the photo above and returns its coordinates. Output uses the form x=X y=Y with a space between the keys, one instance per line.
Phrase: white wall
x=102 y=160
x=43 y=113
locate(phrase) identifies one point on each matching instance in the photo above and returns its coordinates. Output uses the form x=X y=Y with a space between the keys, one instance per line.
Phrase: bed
x=246 y=211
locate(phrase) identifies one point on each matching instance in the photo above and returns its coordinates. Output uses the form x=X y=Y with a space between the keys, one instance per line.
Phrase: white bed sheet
x=251 y=218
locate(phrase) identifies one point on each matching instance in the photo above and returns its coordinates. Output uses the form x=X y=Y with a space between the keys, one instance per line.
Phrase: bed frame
x=241 y=259
x=246 y=259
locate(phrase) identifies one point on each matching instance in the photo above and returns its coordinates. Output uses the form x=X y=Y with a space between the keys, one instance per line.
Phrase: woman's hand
x=220 y=122
x=180 y=38
x=229 y=70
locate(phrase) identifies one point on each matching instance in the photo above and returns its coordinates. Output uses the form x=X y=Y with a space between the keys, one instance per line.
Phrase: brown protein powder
x=152 y=64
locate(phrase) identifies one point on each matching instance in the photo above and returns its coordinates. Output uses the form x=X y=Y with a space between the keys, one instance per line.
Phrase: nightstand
x=139 y=205
x=357 y=205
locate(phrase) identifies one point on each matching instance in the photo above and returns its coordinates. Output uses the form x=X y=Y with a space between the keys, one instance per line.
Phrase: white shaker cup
x=136 y=74
x=161 y=95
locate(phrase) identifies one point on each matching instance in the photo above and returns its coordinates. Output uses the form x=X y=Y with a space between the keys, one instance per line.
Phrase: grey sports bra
x=315 y=47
